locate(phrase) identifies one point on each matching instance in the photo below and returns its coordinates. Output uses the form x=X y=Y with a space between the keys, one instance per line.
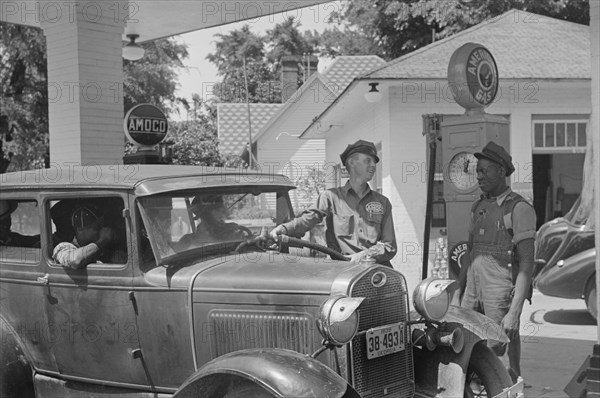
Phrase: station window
x=559 y=135
x=19 y=231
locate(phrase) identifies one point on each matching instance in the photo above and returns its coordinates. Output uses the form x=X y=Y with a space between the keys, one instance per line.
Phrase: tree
x=242 y=50
x=285 y=39
x=193 y=144
x=24 y=108
x=398 y=27
x=24 y=81
x=334 y=42
x=153 y=79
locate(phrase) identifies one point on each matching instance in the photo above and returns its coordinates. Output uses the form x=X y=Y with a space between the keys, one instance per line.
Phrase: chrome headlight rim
x=329 y=329
x=431 y=299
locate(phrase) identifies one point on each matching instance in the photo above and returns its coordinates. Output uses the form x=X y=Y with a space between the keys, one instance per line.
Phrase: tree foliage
x=193 y=144
x=153 y=79
x=392 y=28
x=24 y=108
x=244 y=55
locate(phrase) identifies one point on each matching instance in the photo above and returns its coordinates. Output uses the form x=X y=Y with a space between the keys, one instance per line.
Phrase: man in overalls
x=501 y=243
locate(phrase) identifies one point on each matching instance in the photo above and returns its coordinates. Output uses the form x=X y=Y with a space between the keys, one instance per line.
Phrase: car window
x=180 y=222
x=109 y=213
x=20 y=231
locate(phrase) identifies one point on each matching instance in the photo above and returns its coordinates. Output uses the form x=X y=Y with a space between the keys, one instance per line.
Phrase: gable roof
x=524 y=45
x=232 y=123
x=232 y=119
x=338 y=75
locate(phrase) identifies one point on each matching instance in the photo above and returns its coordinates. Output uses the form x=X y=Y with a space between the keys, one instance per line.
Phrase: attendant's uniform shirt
x=489 y=280
x=353 y=224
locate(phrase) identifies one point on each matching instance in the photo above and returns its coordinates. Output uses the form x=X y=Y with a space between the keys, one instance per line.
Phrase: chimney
x=308 y=66
x=295 y=70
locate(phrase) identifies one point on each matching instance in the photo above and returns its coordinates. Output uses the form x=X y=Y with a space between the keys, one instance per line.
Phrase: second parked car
x=565 y=256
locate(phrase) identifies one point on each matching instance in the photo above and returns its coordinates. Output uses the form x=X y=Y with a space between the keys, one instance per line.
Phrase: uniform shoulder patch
x=374 y=208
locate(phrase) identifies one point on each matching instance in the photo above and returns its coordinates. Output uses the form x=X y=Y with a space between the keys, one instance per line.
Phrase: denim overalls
x=490 y=287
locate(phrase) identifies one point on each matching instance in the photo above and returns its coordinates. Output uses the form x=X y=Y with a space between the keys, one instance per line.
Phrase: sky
x=200 y=74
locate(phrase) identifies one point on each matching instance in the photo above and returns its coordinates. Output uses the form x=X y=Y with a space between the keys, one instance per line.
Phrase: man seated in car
x=9 y=237
x=93 y=240
x=212 y=213
x=60 y=213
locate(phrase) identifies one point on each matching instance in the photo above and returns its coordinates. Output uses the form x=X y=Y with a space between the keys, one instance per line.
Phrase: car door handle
x=44 y=280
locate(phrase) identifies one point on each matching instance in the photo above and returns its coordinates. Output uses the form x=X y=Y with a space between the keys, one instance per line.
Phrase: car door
x=22 y=276
x=92 y=309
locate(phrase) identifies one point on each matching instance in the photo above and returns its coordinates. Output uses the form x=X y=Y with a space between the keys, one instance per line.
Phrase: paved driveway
x=558 y=334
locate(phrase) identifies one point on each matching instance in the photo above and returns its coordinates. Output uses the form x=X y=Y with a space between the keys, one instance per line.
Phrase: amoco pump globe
x=473 y=76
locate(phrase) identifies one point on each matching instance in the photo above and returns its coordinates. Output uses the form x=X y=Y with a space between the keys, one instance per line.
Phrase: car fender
x=478 y=324
x=284 y=373
x=16 y=373
x=441 y=372
x=569 y=277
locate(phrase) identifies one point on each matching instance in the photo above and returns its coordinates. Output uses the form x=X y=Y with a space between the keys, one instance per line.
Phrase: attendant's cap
x=85 y=216
x=6 y=208
x=360 y=146
x=497 y=154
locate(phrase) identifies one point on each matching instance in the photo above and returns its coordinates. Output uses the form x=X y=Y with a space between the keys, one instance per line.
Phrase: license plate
x=384 y=340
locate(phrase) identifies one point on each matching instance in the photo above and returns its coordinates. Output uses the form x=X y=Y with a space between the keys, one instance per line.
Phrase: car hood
x=253 y=272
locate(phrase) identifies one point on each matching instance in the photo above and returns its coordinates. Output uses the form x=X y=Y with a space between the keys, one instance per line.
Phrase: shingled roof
x=525 y=46
x=343 y=69
x=232 y=122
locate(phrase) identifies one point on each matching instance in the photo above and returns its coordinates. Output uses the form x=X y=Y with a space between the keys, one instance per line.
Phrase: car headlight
x=338 y=319
x=431 y=299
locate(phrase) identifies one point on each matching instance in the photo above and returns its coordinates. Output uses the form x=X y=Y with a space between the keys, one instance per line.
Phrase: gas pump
x=473 y=81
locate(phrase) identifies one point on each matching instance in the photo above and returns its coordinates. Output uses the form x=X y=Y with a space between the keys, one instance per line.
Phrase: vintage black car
x=192 y=313
x=565 y=256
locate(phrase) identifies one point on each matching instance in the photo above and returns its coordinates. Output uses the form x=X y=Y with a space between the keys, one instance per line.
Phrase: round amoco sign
x=473 y=76
x=145 y=125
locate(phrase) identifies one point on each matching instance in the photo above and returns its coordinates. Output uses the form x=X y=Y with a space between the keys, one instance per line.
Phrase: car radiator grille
x=390 y=375
x=237 y=330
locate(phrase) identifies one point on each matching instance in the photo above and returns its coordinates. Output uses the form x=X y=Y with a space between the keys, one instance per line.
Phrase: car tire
x=486 y=375
x=591 y=293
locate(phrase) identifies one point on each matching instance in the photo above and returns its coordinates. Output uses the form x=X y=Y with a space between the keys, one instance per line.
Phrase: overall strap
x=475 y=205
x=508 y=206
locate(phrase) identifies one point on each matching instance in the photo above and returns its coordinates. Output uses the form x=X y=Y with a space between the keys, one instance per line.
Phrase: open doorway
x=557 y=182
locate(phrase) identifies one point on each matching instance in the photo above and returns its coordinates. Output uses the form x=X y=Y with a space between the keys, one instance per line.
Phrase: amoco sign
x=145 y=125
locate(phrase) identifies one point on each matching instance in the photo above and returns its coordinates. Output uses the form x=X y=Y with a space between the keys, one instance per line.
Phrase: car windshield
x=183 y=224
